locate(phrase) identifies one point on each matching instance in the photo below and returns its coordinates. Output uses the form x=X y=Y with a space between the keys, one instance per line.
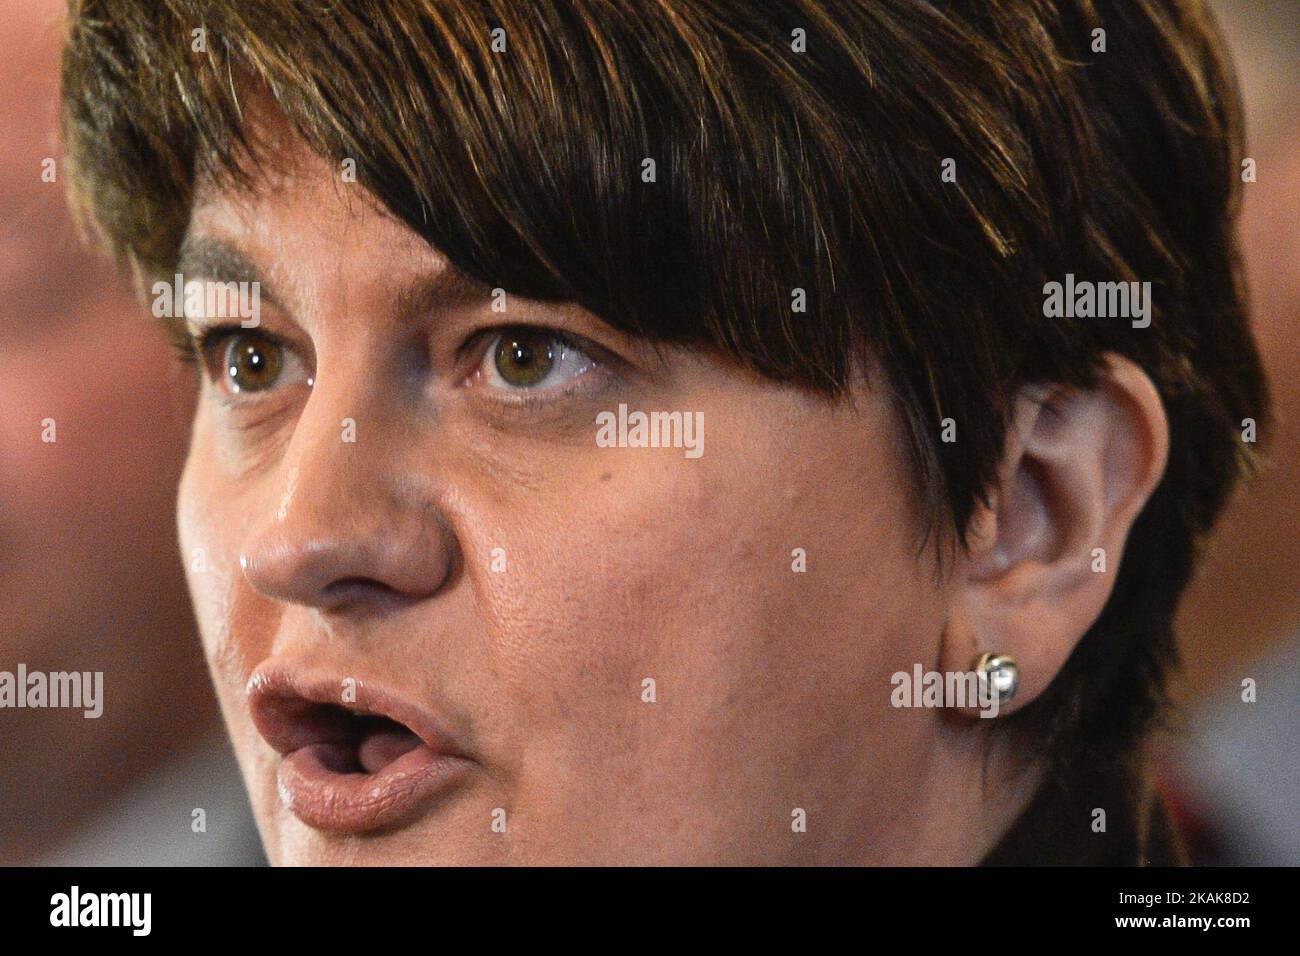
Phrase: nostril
x=347 y=591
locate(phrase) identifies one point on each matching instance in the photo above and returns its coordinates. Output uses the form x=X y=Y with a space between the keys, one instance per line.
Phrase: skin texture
x=89 y=579
x=373 y=560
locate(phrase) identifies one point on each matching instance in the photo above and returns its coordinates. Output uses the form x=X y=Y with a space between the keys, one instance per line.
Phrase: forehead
x=288 y=208
x=318 y=244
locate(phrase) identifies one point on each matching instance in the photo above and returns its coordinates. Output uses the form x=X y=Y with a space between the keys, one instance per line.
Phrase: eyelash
x=185 y=344
x=203 y=347
x=190 y=346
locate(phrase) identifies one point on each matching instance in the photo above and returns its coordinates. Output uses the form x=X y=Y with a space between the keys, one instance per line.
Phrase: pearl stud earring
x=998 y=676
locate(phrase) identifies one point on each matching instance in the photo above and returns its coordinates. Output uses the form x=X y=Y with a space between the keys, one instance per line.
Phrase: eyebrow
x=432 y=292
x=219 y=261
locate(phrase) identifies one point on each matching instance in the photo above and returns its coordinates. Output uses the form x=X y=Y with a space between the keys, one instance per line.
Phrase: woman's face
x=396 y=503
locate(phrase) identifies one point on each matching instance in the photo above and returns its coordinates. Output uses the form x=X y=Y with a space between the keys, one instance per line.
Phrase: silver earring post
x=998 y=675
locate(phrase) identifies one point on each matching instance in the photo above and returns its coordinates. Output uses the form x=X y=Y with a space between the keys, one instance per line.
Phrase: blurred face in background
x=89 y=575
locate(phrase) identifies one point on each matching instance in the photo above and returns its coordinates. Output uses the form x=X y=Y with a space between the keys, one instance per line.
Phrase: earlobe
x=1041 y=559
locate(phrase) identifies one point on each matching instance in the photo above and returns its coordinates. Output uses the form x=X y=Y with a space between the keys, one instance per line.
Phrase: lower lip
x=360 y=802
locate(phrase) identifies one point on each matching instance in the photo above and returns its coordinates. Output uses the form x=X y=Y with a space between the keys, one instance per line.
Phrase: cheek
x=209 y=532
x=210 y=529
x=760 y=588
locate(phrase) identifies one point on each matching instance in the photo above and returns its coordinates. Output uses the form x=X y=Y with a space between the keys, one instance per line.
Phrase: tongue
x=382 y=747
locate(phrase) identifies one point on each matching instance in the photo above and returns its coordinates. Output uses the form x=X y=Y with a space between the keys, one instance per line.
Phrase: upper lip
x=294 y=708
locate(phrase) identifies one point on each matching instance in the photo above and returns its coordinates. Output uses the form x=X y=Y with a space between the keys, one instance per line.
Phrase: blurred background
x=1232 y=769
x=90 y=572
x=91 y=580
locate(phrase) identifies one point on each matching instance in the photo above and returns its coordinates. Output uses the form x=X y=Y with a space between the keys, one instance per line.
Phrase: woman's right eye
x=246 y=360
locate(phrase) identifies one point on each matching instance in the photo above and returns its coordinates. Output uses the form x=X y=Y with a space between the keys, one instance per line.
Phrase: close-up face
x=396 y=504
x=682 y=432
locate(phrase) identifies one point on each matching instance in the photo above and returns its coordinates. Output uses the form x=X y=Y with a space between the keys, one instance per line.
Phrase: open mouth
x=345 y=741
x=350 y=767
x=376 y=743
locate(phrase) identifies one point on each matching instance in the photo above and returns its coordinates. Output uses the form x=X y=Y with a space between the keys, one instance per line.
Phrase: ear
x=1041 y=560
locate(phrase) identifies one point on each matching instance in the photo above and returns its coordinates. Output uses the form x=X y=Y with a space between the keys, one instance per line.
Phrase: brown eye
x=523 y=358
x=253 y=362
x=531 y=359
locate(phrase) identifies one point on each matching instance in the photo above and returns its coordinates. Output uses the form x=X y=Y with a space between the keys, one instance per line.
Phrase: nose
x=346 y=529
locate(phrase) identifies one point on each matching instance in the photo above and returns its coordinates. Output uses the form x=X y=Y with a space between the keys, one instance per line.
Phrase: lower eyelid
x=598 y=380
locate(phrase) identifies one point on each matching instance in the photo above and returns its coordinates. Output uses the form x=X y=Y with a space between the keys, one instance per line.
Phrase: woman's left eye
x=527 y=359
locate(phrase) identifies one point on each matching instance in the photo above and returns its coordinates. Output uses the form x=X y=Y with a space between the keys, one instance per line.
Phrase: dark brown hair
x=778 y=167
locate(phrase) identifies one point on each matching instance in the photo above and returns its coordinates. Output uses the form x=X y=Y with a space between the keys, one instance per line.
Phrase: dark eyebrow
x=447 y=288
x=219 y=261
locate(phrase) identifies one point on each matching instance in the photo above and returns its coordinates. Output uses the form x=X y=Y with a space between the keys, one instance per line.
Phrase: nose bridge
x=343 y=524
